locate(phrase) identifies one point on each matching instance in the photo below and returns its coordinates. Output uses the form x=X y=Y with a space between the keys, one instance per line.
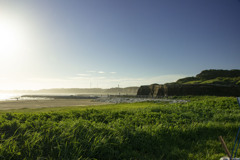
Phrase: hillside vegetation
x=220 y=77
x=124 y=131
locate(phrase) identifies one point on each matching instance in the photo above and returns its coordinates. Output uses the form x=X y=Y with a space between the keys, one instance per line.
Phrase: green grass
x=123 y=131
x=194 y=82
x=218 y=80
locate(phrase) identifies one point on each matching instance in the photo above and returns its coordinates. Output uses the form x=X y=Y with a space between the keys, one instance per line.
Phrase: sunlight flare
x=13 y=39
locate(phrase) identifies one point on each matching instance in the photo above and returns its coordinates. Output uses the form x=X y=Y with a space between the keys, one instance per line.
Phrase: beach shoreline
x=49 y=103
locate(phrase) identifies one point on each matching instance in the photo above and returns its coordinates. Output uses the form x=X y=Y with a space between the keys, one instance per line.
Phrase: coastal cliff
x=205 y=83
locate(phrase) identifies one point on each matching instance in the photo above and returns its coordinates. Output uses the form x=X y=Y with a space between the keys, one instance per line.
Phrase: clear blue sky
x=103 y=43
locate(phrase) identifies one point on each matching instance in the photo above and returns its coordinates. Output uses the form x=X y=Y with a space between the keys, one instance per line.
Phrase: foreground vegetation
x=123 y=131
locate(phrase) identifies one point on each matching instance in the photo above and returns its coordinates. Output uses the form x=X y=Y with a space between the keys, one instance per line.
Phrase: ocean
x=16 y=97
x=7 y=96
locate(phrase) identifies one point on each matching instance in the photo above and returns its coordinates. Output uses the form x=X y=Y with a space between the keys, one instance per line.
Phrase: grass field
x=139 y=131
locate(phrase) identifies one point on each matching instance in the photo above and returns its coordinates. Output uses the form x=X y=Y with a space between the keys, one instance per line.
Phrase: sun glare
x=12 y=39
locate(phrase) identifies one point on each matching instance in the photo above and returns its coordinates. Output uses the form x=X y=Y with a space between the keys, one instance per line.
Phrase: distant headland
x=208 y=82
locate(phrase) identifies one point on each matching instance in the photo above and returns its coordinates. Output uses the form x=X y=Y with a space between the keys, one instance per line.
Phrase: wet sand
x=7 y=105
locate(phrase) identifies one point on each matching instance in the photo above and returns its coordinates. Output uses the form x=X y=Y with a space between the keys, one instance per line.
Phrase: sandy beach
x=48 y=103
x=7 y=105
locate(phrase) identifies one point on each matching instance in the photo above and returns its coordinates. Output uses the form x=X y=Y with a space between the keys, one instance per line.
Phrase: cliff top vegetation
x=220 y=77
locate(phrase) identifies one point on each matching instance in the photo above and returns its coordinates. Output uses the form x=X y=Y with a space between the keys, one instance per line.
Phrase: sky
x=111 y=43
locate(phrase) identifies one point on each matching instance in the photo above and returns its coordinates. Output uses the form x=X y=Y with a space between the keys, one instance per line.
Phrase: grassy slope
x=219 y=80
x=122 y=131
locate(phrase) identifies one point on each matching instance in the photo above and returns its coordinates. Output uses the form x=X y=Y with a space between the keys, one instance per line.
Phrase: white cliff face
x=175 y=89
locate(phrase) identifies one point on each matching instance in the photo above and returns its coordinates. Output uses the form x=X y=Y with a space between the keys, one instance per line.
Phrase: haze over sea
x=4 y=96
x=43 y=96
x=16 y=97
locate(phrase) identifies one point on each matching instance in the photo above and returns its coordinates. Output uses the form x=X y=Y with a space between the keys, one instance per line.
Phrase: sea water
x=20 y=97
x=8 y=96
x=16 y=97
